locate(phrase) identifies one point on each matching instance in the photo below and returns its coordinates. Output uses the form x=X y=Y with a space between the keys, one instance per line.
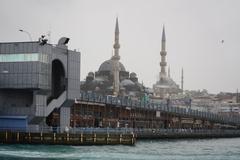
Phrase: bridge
x=97 y=119
x=112 y=111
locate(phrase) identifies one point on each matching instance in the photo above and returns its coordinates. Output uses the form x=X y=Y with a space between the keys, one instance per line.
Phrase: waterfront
x=188 y=149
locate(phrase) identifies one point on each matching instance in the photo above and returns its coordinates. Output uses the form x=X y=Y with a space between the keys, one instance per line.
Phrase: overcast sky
x=194 y=31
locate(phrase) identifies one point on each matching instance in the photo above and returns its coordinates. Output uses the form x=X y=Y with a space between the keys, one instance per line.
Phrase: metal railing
x=187 y=132
x=79 y=130
x=138 y=131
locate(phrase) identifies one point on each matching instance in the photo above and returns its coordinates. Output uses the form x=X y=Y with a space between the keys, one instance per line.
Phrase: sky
x=195 y=30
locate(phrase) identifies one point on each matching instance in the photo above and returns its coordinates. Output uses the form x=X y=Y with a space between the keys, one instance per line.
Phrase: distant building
x=165 y=86
x=112 y=77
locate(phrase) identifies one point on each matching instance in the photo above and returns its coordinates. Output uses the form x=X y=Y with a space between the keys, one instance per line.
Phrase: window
x=24 y=57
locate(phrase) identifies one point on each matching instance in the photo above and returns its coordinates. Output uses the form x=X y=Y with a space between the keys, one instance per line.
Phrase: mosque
x=112 y=78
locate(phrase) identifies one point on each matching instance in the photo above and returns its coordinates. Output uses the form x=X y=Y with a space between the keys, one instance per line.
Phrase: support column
x=64 y=118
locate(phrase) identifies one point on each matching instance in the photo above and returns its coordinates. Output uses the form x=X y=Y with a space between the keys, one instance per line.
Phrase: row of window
x=24 y=57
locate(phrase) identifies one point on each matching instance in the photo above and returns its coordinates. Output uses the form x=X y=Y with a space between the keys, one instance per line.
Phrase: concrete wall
x=16 y=102
x=73 y=88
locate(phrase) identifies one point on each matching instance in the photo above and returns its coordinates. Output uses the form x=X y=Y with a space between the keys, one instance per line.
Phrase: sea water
x=187 y=149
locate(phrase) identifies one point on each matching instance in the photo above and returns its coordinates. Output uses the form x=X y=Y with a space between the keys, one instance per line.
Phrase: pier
x=109 y=136
x=50 y=138
x=186 y=133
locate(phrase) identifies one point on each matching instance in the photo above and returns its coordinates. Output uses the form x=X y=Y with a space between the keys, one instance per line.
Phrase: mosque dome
x=133 y=75
x=108 y=66
x=91 y=74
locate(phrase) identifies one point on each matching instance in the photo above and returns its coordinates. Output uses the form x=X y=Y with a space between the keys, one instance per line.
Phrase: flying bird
x=222 y=41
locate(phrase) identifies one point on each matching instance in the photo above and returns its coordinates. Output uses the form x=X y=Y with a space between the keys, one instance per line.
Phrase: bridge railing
x=138 y=131
x=163 y=106
x=185 y=131
x=77 y=130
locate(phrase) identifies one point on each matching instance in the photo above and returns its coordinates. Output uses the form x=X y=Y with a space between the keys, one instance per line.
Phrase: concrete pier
x=98 y=136
x=8 y=137
x=186 y=133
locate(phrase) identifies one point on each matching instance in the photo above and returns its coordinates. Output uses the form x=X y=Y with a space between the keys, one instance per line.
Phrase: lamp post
x=29 y=35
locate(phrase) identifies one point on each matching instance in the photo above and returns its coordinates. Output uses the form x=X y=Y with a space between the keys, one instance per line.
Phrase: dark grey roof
x=108 y=66
x=167 y=82
x=127 y=82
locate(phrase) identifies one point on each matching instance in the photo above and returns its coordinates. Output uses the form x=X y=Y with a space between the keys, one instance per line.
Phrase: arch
x=58 y=78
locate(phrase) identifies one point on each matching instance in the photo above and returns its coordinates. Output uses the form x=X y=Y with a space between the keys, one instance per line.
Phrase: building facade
x=37 y=77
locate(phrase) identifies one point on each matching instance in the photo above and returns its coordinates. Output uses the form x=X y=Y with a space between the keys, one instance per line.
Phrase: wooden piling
x=17 y=136
x=6 y=136
x=120 y=139
x=81 y=138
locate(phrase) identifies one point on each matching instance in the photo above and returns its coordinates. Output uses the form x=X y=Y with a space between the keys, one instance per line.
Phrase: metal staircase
x=43 y=111
x=55 y=103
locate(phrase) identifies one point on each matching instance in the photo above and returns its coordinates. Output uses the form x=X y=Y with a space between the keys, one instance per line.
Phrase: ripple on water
x=210 y=149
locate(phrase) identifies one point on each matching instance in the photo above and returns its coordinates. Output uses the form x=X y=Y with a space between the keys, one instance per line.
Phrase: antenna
x=182 y=80
x=49 y=36
x=237 y=97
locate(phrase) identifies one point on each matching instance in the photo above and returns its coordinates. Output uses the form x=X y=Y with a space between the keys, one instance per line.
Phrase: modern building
x=112 y=77
x=165 y=86
x=36 y=78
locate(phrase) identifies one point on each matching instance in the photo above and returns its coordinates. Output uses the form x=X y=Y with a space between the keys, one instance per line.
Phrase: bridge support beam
x=64 y=118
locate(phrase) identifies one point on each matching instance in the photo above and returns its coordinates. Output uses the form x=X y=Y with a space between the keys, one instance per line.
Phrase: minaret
x=163 y=54
x=237 y=97
x=182 y=80
x=169 y=76
x=116 y=45
x=116 y=59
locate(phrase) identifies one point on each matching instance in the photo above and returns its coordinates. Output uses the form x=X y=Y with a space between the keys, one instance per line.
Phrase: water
x=208 y=149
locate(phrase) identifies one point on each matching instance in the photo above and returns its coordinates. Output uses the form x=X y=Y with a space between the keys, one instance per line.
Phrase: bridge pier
x=64 y=118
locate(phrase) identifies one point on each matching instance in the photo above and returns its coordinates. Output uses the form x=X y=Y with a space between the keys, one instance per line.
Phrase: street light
x=29 y=35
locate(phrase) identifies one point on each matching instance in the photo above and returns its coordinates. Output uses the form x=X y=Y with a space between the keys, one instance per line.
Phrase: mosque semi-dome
x=127 y=82
x=167 y=82
x=109 y=66
x=133 y=75
x=90 y=74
